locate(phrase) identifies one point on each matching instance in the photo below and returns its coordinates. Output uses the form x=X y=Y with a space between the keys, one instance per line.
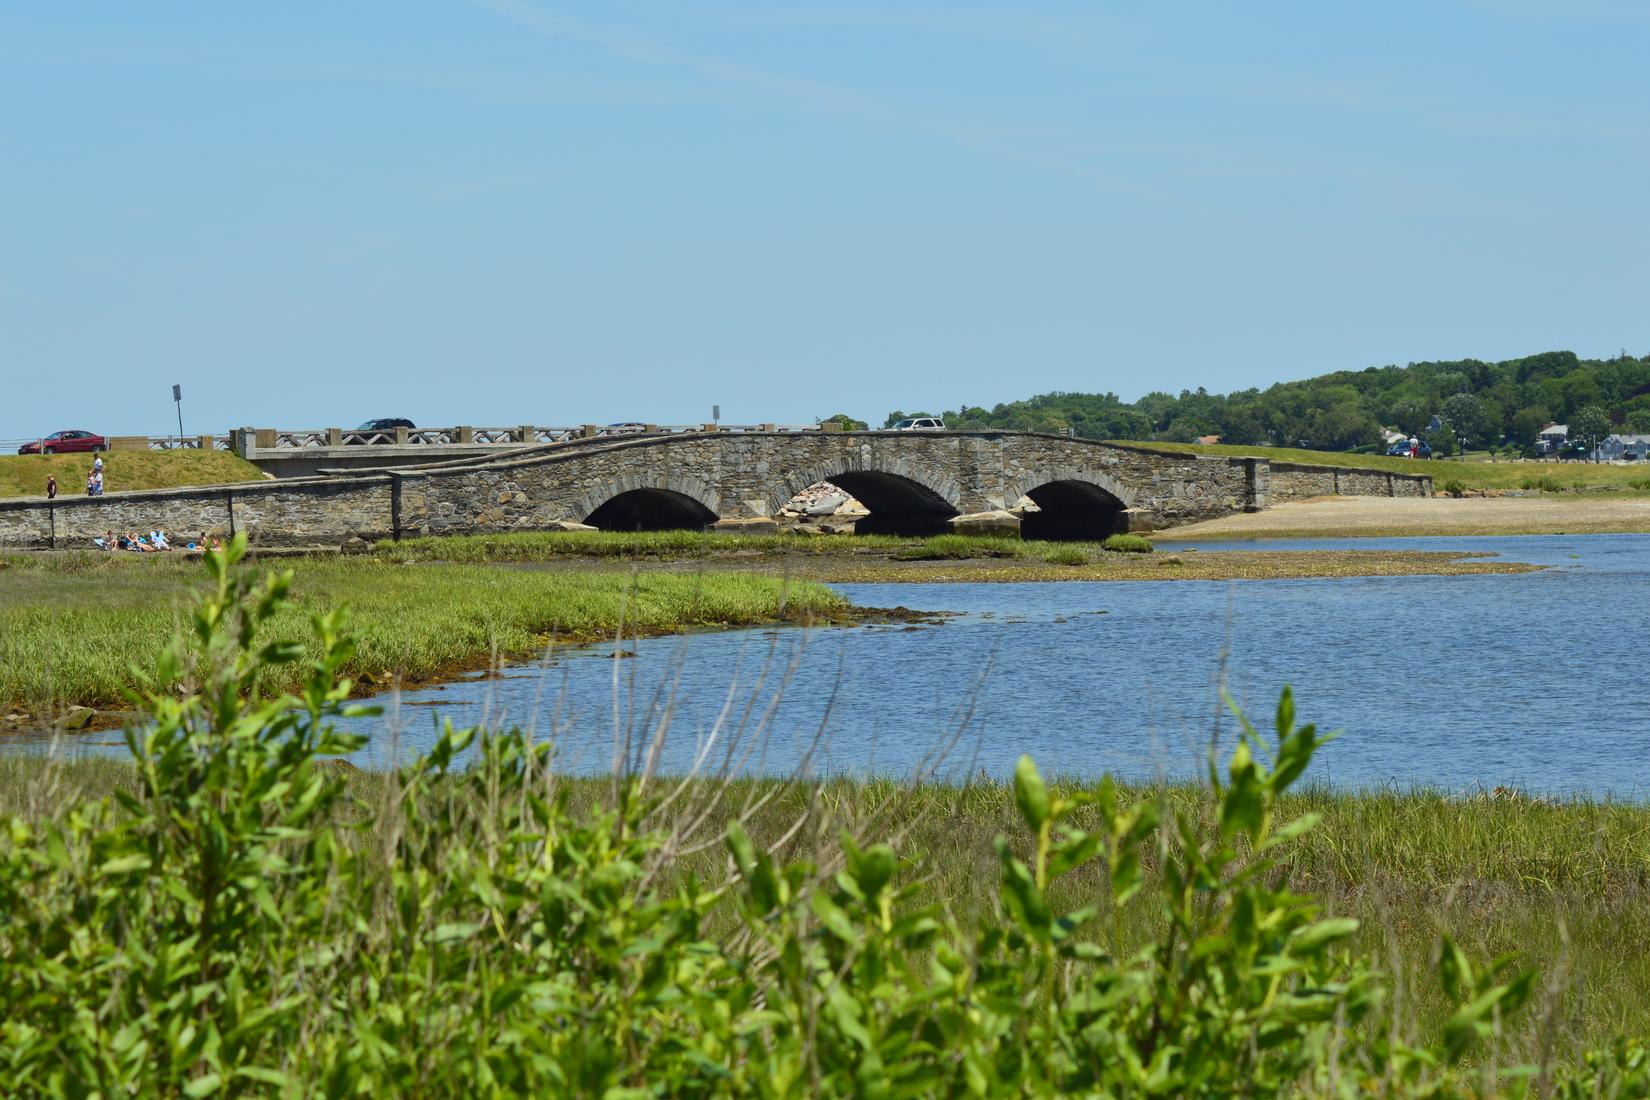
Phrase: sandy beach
x=1333 y=517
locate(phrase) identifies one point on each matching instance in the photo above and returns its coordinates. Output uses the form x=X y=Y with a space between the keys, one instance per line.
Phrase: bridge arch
x=649 y=503
x=900 y=498
x=1073 y=505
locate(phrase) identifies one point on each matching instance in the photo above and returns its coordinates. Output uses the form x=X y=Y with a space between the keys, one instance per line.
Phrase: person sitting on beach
x=124 y=542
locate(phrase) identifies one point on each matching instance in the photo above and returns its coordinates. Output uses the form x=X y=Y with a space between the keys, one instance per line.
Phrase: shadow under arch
x=1073 y=511
x=651 y=510
x=898 y=505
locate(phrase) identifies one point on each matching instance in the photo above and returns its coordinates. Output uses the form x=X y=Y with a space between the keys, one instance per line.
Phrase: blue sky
x=506 y=211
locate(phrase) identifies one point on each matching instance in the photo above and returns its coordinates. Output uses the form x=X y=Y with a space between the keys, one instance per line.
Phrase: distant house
x=1551 y=438
x=1207 y=440
x=1625 y=448
x=1389 y=437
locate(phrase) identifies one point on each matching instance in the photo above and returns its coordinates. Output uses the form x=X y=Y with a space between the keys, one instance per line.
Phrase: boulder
x=806 y=529
x=753 y=525
x=996 y=522
x=77 y=718
x=826 y=506
x=839 y=527
x=355 y=544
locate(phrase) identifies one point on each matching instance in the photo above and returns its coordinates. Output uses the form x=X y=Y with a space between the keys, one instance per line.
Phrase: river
x=1535 y=680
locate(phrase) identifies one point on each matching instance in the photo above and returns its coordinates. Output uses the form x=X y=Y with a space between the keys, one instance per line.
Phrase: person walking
x=97 y=464
x=91 y=485
x=97 y=483
x=51 y=487
x=1414 y=447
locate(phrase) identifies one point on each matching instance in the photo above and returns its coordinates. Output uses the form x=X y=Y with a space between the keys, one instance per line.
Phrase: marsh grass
x=535 y=546
x=71 y=626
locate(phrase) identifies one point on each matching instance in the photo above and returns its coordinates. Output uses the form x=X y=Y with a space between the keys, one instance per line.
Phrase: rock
x=996 y=522
x=806 y=529
x=355 y=544
x=77 y=718
x=753 y=525
x=838 y=528
x=827 y=505
x=569 y=525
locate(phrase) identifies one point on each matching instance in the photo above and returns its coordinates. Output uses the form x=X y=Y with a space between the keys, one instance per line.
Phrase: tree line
x=1466 y=402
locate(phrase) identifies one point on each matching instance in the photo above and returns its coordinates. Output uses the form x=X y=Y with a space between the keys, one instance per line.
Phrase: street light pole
x=177 y=398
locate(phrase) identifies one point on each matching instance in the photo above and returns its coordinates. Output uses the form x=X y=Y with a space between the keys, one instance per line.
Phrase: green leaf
x=1030 y=793
x=1316 y=937
x=204 y=1085
x=454 y=931
x=1455 y=971
x=122 y=865
x=874 y=867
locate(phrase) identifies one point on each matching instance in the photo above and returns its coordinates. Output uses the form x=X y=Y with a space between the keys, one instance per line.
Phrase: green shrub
x=1128 y=544
x=1454 y=487
x=1066 y=555
x=962 y=547
x=226 y=930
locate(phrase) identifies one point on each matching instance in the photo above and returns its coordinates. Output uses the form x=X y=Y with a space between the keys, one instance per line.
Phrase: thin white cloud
x=631 y=45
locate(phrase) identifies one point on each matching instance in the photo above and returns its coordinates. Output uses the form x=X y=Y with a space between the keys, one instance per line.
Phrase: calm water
x=1537 y=680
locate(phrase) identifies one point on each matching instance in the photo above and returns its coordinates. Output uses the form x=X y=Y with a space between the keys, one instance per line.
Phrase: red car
x=63 y=442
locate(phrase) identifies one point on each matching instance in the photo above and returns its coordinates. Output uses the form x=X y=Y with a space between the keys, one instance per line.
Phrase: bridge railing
x=265 y=440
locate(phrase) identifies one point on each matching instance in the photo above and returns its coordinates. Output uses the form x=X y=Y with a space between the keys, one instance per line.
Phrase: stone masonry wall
x=729 y=475
x=287 y=513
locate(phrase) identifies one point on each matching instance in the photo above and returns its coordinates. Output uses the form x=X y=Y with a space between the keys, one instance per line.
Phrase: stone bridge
x=912 y=482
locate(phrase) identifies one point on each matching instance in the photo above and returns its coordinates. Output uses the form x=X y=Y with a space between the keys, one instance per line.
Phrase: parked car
x=1401 y=450
x=920 y=424
x=64 y=442
x=386 y=424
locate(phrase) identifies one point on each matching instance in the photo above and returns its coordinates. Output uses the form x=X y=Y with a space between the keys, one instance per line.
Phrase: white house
x=1552 y=437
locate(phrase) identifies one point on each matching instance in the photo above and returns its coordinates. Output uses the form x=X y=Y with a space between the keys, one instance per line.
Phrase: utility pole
x=177 y=398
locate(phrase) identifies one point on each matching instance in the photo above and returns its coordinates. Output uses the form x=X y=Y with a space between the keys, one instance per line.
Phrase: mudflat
x=1338 y=517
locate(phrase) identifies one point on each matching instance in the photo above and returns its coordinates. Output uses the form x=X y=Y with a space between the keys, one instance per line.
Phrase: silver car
x=919 y=424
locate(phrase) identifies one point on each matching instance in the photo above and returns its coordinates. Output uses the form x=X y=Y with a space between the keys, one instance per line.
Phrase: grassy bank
x=25 y=475
x=70 y=625
x=1476 y=472
x=941 y=558
x=1561 y=886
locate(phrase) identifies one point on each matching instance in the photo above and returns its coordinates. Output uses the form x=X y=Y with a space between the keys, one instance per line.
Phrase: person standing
x=97 y=482
x=1414 y=447
x=51 y=487
x=97 y=464
x=91 y=485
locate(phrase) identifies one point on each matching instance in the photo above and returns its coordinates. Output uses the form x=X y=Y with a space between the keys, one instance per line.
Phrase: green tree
x=1468 y=419
x=1527 y=424
x=848 y=423
x=1589 y=426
